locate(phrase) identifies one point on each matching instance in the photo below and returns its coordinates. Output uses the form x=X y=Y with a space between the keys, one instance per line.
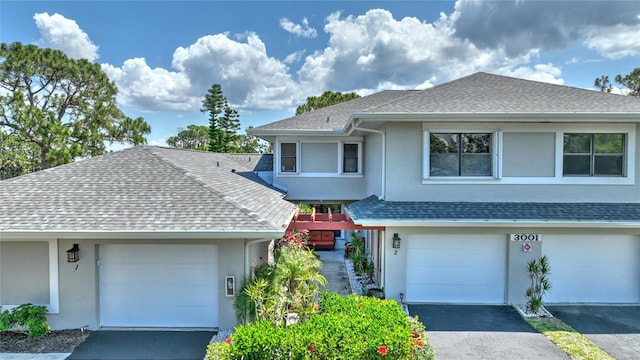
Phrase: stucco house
x=474 y=178
x=164 y=236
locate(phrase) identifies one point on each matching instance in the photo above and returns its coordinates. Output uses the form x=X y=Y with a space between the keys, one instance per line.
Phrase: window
x=288 y=157
x=460 y=154
x=593 y=155
x=350 y=158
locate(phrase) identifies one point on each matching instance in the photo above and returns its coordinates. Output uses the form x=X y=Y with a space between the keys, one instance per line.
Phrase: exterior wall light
x=396 y=241
x=73 y=254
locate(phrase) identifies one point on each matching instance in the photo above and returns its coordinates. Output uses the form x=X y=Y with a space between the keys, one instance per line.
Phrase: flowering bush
x=346 y=327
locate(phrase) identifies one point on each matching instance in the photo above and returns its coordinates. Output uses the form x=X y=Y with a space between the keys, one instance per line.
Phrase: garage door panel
x=158 y=286
x=593 y=268
x=456 y=268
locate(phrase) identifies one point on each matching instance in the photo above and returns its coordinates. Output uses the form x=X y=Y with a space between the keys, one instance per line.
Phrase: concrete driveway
x=143 y=345
x=483 y=332
x=615 y=329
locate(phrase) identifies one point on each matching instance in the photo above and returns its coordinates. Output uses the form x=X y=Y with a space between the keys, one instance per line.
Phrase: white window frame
x=278 y=159
x=53 y=307
x=341 y=158
x=630 y=145
x=496 y=160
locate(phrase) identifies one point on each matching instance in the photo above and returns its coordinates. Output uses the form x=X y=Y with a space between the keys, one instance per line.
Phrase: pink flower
x=312 y=348
x=382 y=350
x=228 y=341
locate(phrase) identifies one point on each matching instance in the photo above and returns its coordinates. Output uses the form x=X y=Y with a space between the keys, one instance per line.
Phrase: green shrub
x=347 y=327
x=28 y=316
x=538 y=270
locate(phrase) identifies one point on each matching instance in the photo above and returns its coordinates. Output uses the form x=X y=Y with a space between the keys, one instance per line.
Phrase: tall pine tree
x=224 y=122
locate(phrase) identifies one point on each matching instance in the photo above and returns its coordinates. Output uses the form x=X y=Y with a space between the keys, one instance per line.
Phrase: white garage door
x=158 y=285
x=456 y=268
x=593 y=268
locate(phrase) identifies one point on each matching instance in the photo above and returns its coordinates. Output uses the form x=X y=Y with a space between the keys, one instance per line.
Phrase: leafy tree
x=327 y=98
x=64 y=108
x=224 y=122
x=603 y=84
x=195 y=137
x=17 y=157
x=249 y=144
x=630 y=82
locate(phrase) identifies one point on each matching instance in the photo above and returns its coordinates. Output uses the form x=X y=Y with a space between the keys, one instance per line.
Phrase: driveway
x=483 y=332
x=143 y=345
x=615 y=329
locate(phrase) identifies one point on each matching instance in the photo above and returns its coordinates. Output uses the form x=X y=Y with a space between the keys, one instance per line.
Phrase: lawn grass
x=573 y=343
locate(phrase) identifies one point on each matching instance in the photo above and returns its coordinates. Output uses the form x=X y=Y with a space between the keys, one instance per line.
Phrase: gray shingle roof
x=146 y=188
x=487 y=93
x=335 y=116
x=374 y=209
x=480 y=93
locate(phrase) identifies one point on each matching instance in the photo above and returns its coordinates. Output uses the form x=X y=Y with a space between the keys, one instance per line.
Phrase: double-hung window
x=460 y=154
x=288 y=157
x=593 y=155
x=350 y=158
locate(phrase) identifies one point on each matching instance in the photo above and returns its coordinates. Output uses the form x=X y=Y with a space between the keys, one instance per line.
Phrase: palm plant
x=538 y=270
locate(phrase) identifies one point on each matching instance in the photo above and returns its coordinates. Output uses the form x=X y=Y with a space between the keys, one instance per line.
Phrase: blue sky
x=269 y=56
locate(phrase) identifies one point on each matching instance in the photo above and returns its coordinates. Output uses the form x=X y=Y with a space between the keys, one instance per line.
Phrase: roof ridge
x=243 y=209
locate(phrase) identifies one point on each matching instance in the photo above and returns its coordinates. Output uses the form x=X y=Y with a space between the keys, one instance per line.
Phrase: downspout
x=354 y=126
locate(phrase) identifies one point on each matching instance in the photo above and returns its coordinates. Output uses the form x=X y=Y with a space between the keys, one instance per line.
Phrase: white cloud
x=301 y=30
x=376 y=51
x=615 y=42
x=147 y=89
x=64 y=34
x=294 y=57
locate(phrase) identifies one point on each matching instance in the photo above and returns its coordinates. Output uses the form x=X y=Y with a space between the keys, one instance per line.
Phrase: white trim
x=500 y=223
x=144 y=234
x=53 y=307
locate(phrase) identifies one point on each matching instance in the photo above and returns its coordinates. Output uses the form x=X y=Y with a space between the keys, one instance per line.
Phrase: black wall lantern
x=396 y=241
x=73 y=254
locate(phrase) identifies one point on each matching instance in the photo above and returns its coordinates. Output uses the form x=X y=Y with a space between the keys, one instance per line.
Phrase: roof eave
x=142 y=234
x=500 y=223
x=627 y=117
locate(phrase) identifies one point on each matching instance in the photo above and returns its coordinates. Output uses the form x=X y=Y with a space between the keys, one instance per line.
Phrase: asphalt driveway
x=143 y=345
x=615 y=329
x=483 y=332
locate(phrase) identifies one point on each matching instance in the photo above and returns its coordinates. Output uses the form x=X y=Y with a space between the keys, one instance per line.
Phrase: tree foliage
x=631 y=82
x=327 y=98
x=224 y=122
x=195 y=137
x=62 y=107
x=17 y=157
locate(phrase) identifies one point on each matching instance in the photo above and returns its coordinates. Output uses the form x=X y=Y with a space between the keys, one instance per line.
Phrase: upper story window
x=460 y=154
x=593 y=154
x=350 y=158
x=288 y=157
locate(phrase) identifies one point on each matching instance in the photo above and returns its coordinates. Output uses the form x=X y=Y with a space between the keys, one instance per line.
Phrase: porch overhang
x=328 y=221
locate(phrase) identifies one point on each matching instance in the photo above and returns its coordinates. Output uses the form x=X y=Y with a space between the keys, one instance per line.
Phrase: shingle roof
x=335 y=116
x=480 y=93
x=488 y=93
x=374 y=209
x=146 y=188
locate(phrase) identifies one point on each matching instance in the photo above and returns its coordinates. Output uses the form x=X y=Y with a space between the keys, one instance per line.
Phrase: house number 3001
x=526 y=237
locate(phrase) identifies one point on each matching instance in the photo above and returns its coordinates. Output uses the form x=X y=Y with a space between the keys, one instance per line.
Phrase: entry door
x=158 y=285
x=456 y=268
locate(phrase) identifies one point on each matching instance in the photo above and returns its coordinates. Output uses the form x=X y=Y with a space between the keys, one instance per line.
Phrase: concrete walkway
x=334 y=270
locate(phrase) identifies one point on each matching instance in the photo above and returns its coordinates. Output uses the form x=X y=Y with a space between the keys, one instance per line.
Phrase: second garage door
x=593 y=268
x=158 y=285
x=456 y=268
